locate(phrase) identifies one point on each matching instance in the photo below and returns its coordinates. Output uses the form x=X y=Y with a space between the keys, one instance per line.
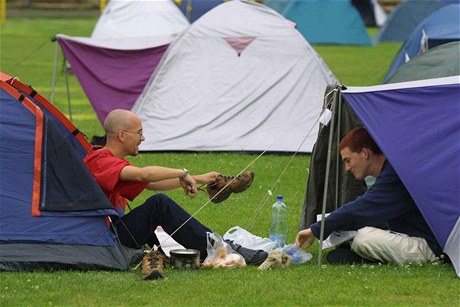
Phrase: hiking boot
x=229 y=185
x=152 y=265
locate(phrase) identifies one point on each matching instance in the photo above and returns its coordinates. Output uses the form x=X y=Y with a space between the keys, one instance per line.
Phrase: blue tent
x=405 y=17
x=325 y=21
x=371 y=12
x=441 y=27
x=53 y=213
x=194 y=9
x=417 y=126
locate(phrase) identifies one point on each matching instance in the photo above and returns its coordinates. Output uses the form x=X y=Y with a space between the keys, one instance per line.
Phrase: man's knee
x=158 y=200
x=158 y=197
x=364 y=236
x=365 y=240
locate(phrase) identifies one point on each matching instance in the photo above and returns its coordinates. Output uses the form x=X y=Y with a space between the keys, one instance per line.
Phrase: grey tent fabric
x=52 y=257
x=348 y=187
x=438 y=62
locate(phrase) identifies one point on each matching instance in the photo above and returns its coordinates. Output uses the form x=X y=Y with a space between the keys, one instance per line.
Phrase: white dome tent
x=240 y=78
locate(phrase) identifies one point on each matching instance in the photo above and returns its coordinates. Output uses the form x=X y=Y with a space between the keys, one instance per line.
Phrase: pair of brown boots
x=223 y=186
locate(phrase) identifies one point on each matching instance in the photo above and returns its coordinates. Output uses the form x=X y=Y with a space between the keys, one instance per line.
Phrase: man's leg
x=388 y=247
x=138 y=226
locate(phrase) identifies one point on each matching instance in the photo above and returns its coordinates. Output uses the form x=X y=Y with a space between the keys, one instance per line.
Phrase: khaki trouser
x=389 y=247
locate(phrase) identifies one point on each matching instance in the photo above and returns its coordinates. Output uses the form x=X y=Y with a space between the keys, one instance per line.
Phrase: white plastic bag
x=246 y=239
x=221 y=255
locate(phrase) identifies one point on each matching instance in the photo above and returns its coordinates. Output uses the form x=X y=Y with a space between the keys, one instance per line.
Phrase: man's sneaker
x=152 y=265
x=229 y=185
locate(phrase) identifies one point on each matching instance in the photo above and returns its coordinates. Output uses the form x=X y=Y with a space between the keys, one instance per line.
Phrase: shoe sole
x=155 y=274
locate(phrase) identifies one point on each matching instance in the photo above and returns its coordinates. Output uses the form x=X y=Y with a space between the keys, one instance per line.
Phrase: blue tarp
x=417 y=126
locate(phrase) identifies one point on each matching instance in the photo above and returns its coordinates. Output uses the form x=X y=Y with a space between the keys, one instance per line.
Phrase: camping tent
x=113 y=72
x=194 y=9
x=441 y=27
x=53 y=213
x=394 y=114
x=441 y=61
x=240 y=78
x=122 y=19
x=371 y=12
x=405 y=17
x=126 y=45
x=324 y=21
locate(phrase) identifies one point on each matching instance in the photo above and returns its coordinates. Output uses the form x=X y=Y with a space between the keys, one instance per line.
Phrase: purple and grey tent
x=113 y=72
x=417 y=126
x=126 y=45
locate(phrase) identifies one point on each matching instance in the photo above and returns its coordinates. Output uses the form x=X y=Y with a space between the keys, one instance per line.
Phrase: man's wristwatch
x=184 y=174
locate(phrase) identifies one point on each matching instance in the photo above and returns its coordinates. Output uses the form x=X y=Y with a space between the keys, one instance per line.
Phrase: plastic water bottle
x=278 y=225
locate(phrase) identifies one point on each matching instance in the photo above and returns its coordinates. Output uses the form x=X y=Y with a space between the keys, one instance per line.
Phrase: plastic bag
x=221 y=255
x=246 y=239
x=297 y=254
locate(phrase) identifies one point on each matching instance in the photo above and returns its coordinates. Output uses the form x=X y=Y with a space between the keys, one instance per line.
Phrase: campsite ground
x=27 y=52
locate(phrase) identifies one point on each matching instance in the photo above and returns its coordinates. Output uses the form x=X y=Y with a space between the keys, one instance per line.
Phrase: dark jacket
x=387 y=205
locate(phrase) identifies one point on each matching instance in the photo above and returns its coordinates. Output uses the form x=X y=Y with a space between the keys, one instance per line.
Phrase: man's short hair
x=357 y=139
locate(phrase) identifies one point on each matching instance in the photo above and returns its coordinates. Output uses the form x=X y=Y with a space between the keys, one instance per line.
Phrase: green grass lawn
x=27 y=52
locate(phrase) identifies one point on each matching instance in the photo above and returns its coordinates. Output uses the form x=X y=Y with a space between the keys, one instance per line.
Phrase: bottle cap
x=279 y=197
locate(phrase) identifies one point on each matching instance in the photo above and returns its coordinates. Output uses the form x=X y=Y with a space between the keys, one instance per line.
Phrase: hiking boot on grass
x=152 y=265
x=229 y=185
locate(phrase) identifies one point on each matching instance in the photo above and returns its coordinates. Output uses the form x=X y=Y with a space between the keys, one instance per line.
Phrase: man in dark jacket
x=390 y=227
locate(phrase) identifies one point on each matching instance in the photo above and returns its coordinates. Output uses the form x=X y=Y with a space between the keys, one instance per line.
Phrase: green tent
x=441 y=61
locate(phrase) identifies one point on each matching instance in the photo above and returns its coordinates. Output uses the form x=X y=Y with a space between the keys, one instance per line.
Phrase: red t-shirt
x=106 y=169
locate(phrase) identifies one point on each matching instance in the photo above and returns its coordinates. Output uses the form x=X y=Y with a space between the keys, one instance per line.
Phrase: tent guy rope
x=263 y=202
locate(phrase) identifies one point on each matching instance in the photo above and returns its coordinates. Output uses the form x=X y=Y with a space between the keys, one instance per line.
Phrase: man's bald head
x=119 y=119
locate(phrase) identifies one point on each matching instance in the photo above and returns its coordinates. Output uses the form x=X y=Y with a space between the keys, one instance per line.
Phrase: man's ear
x=121 y=136
x=366 y=153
